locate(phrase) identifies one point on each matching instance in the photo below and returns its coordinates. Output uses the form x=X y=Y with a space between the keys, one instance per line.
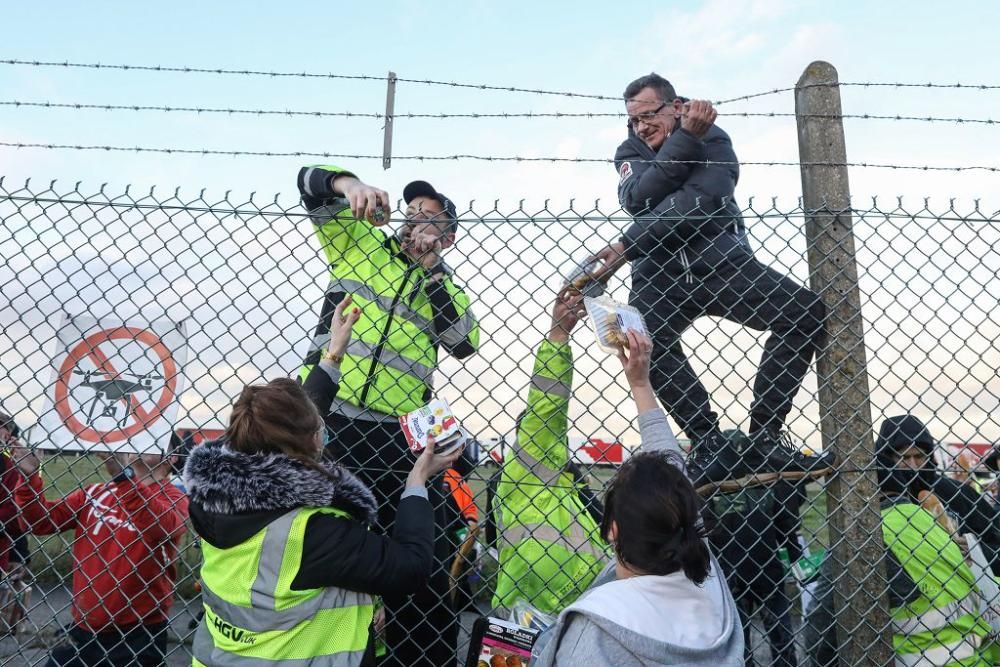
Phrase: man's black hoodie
x=975 y=514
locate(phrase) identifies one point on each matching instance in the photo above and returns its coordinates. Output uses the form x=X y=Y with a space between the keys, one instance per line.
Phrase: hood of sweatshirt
x=896 y=435
x=661 y=618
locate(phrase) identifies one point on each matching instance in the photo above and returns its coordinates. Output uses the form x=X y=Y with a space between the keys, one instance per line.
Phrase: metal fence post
x=862 y=619
x=390 y=110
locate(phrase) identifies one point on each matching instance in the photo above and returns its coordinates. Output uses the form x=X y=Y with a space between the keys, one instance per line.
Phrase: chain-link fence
x=240 y=284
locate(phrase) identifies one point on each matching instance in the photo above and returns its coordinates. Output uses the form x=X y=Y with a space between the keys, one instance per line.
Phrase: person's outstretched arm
x=41 y=515
x=654 y=429
x=323 y=380
x=344 y=552
x=339 y=226
x=541 y=445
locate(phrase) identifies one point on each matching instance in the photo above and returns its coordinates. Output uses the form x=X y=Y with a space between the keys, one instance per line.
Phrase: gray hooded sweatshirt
x=649 y=621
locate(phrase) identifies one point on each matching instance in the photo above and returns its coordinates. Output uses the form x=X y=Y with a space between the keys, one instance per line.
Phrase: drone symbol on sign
x=113 y=390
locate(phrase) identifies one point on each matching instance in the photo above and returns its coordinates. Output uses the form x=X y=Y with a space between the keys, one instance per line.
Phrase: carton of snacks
x=434 y=419
x=498 y=643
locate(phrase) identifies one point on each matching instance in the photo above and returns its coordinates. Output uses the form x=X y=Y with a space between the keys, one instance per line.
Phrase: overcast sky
x=929 y=284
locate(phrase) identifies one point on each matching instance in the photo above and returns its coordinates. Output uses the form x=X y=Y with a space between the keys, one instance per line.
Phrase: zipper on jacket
x=688 y=278
x=377 y=353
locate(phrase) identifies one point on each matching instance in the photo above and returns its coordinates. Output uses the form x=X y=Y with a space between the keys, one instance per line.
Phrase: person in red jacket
x=127 y=532
x=11 y=528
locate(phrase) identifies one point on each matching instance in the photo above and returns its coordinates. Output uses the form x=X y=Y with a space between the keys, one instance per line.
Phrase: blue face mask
x=326 y=436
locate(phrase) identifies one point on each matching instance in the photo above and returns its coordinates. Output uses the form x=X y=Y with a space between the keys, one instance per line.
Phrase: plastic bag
x=610 y=320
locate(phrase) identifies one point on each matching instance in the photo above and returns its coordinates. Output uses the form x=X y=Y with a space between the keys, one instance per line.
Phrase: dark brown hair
x=276 y=418
x=656 y=514
x=662 y=87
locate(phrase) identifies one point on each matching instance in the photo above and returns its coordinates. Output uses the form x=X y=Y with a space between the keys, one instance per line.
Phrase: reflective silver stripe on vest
x=576 y=541
x=269 y=568
x=935 y=619
x=351 y=411
x=358 y=288
x=392 y=359
x=550 y=386
x=389 y=358
x=318 y=342
x=459 y=331
x=535 y=467
x=253 y=620
x=263 y=616
x=941 y=655
x=305 y=180
x=205 y=652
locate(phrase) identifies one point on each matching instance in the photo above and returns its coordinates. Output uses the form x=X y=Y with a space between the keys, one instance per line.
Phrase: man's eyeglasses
x=633 y=121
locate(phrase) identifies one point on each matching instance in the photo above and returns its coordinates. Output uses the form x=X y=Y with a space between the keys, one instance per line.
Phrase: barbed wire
x=480 y=158
x=312 y=75
x=466 y=115
x=510 y=89
x=364 y=77
x=893 y=84
x=190 y=70
x=455 y=84
x=544 y=215
x=862 y=116
x=320 y=75
x=190 y=109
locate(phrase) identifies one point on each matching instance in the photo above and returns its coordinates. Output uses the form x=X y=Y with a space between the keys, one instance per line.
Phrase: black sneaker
x=771 y=451
x=715 y=461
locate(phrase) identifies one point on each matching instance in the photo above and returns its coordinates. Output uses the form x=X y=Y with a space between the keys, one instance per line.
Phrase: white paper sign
x=114 y=386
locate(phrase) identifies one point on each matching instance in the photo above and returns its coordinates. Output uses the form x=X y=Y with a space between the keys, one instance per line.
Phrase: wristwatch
x=330 y=356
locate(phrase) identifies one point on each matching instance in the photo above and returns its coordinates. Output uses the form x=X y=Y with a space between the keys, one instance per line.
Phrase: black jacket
x=973 y=512
x=234 y=496
x=746 y=530
x=680 y=209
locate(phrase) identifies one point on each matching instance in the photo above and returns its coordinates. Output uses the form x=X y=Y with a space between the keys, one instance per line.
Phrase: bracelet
x=330 y=356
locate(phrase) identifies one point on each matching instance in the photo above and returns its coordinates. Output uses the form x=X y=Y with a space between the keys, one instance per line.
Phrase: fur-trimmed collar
x=224 y=481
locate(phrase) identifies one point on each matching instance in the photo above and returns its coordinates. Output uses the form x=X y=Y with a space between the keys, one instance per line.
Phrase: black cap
x=425 y=189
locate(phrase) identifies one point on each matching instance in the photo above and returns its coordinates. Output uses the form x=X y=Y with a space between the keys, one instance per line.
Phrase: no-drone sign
x=114 y=386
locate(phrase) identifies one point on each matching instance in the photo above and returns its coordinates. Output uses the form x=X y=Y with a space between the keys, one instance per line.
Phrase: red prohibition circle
x=83 y=350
